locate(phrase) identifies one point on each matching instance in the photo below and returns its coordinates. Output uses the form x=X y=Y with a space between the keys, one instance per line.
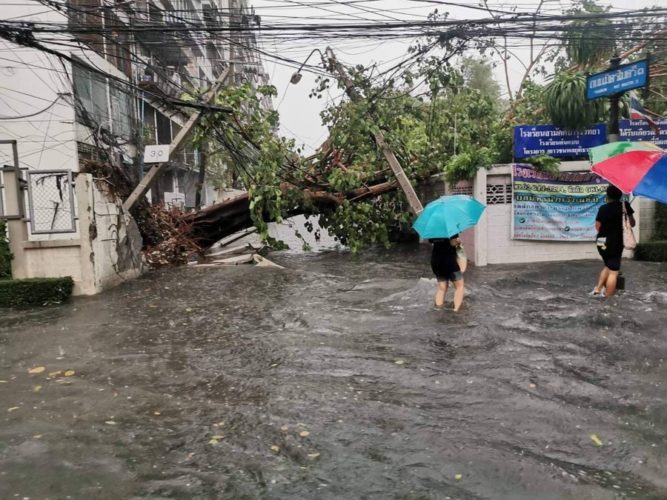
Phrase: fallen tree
x=224 y=219
x=347 y=184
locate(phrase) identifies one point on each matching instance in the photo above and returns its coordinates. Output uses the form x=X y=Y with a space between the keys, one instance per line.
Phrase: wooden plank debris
x=236 y=260
x=229 y=251
x=264 y=262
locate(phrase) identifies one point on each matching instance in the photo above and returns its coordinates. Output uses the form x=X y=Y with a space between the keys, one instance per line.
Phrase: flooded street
x=337 y=379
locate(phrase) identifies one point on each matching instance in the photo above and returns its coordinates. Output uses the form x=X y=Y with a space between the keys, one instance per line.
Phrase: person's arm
x=598 y=223
x=631 y=214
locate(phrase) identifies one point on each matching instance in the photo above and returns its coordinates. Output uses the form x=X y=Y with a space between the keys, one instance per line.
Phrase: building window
x=121 y=111
x=117 y=46
x=86 y=13
x=88 y=152
x=90 y=90
x=149 y=129
x=163 y=129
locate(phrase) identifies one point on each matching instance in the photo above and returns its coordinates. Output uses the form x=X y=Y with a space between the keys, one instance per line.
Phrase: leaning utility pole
x=403 y=181
x=613 y=132
x=150 y=178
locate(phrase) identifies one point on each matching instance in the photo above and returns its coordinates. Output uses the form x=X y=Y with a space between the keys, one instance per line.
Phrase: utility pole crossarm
x=155 y=171
x=403 y=181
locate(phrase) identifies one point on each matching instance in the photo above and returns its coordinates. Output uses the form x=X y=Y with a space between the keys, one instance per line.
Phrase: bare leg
x=611 y=283
x=462 y=258
x=440 y=293
x=458 y=294
x=604 y=275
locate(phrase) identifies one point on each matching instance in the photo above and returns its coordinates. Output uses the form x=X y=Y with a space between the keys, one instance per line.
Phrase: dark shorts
x=453 y=276
x=611 y=261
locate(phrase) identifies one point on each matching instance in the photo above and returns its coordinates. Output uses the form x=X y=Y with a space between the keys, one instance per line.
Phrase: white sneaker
x=593 y=293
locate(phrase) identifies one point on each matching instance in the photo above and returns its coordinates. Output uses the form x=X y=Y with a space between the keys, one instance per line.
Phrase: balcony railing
x=161 y=84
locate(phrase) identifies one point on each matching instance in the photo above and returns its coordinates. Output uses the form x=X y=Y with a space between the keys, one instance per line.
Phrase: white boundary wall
x=493 y=242
x=107 y=252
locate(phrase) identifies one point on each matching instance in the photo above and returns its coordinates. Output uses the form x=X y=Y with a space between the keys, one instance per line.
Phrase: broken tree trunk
x=223 y=219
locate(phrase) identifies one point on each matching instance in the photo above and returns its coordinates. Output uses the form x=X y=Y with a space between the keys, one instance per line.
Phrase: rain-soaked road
x=336 y=379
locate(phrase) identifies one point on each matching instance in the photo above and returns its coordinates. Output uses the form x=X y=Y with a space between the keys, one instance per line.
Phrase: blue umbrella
x=448 y=216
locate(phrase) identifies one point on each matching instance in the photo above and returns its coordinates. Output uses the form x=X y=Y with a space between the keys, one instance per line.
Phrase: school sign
x=638 y=130
x=533 y=140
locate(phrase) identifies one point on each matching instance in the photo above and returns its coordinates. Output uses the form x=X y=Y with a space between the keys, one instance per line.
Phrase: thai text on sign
x=560 y=208
x=617 y=80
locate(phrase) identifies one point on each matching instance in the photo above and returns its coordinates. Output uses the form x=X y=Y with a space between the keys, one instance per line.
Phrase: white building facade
x=114 y=96
x=98 y=92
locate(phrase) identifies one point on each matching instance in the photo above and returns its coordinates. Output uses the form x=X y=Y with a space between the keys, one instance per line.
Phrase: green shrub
x=660 y=232
x=5 y=255
x=35 y=291
x=654 y=251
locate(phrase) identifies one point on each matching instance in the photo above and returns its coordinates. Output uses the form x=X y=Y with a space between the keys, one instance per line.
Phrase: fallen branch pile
x=176 y=245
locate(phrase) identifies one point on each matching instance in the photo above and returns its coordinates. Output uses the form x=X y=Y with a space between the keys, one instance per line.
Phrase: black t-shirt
x=610 y=217
x=443 y=257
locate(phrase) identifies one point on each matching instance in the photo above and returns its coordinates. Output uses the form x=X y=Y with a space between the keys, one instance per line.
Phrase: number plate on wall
x=156 y=153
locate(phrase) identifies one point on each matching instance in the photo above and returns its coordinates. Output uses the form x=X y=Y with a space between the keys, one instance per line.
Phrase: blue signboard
x=617 y=80
x=638 y=130
x=533 y=140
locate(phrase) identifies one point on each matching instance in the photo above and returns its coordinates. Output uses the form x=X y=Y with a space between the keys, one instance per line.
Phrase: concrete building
x=109 y=91
x=116 y=95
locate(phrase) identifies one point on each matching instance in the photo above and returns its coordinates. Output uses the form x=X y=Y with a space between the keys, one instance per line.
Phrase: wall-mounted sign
x=639 y=130
x=617 y=80
x=156 y=153
x=533 y=140
x=561 y=208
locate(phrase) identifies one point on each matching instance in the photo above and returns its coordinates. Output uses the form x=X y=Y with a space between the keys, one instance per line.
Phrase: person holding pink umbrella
x=638 y=168
x=609 y=225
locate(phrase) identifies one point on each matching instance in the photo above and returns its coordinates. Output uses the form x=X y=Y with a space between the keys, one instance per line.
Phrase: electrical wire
x=60 y=96
x=291 y=39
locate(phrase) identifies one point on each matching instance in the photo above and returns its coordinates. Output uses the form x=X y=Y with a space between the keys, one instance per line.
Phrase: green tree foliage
x=434 y=123
x=447 y=130
x=566 y=103
x=530 y=109
x=437 y=118
x=478 y=74
x=249 y=145
x=589 y=45
x=590 y=41
x=5 y=254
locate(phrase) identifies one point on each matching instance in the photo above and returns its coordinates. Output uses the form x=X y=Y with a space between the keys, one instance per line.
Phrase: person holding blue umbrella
x=440 y=222
x=445 y=266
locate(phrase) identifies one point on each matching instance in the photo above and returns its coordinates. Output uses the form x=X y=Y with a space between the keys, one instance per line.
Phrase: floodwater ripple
x=336 y=378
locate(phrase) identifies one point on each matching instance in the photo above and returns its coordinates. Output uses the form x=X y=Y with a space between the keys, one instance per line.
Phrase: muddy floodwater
x=335 y=378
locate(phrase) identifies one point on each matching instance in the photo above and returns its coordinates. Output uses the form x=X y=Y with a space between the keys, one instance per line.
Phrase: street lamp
x=296 y=77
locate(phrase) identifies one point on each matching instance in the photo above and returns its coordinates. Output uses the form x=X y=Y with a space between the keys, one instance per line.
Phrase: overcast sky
x=299 y=114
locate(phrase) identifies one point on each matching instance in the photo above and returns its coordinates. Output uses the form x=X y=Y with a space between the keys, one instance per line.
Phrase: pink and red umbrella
x=639 y=168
